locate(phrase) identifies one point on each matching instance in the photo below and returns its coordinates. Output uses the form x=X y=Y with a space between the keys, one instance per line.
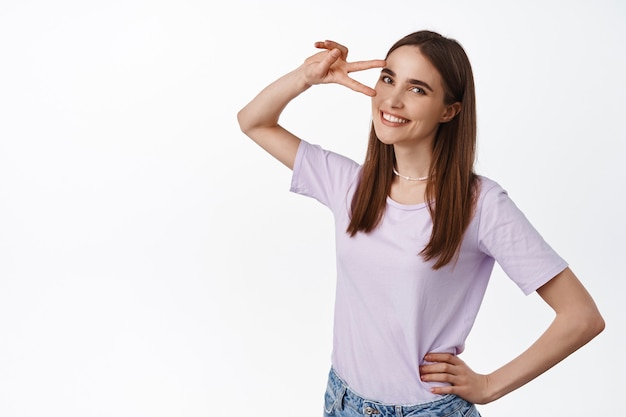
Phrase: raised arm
x=259 y=118
x=577 y=321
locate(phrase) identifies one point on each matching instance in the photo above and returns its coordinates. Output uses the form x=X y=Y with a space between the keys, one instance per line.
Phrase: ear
x=450 y=112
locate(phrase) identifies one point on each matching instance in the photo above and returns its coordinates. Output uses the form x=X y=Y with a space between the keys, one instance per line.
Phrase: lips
x=393 y=119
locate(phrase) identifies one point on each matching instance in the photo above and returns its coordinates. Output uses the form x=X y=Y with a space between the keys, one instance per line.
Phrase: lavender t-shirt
x=391 y=307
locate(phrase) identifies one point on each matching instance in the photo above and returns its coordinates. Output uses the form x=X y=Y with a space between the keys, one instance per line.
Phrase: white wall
x=152 y=261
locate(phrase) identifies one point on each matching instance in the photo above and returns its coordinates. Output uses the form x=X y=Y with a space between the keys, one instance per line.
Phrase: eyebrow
x=410 y=80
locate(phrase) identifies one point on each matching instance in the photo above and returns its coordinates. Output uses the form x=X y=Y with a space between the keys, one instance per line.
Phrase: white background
x=152 y=261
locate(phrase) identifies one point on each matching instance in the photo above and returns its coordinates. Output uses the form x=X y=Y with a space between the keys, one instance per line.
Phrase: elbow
x=598 y=325
x=244 y=123
x=590 y=326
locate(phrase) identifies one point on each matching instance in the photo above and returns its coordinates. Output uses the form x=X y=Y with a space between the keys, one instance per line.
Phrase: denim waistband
x=345 y=397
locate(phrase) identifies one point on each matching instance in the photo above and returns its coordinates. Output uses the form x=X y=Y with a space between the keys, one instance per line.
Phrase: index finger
x=441 y=357
x=365 y=65
x=360 y=66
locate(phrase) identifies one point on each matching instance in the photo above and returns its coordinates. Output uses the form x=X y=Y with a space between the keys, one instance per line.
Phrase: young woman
x=417 y=235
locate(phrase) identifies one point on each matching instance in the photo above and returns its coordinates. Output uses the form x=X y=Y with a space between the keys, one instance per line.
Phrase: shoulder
x=495 y=208
x=493 y=202
x=488 y=190
x=316 y=152
x=315 y=159
x=323 y=174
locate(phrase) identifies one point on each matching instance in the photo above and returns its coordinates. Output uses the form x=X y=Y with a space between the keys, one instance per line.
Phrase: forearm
x=577 y=322
x=259 y=118
x=567 y=333
x=265 y=109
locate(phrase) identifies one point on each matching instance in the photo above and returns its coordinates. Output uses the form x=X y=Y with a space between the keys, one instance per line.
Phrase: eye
x=386 y=79
x=417 y=90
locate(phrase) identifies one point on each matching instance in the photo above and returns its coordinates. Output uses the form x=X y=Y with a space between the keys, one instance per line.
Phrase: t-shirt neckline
x=400 y=206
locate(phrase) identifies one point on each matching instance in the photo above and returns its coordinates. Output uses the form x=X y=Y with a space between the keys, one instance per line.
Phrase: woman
x=417 y=235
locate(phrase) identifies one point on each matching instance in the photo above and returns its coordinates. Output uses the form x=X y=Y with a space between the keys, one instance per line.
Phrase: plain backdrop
x=152 y=260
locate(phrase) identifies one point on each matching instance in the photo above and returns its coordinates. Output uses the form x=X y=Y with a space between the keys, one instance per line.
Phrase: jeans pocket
x=464 y=409
x=469 y=411
x=330 y=401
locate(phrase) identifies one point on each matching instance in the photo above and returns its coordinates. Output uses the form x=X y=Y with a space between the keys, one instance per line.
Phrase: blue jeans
x=340 y=401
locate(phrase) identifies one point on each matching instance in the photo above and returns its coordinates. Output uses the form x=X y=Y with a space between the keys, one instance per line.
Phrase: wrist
x=490 y=391
x=301 y=79
x=495 y=387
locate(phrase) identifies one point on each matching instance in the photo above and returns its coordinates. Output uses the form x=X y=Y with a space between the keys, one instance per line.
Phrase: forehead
x=408 y=62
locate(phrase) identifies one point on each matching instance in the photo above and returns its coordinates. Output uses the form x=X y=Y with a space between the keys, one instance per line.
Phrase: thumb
x=333 y=55
x=324 y=65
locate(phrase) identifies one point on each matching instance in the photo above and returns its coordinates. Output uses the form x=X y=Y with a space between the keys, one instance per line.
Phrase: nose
x=393 y=98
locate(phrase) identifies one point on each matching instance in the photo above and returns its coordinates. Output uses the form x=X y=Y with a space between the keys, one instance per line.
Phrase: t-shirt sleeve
x=506 y=235
x=323 y=175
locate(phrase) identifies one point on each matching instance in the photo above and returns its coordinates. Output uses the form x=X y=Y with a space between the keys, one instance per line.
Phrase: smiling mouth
x=393 y=119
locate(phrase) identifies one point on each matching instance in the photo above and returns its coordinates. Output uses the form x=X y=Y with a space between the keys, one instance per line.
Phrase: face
x=409 y=102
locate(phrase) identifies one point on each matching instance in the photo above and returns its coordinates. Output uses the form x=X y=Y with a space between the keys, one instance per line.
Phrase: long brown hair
x=452 y=186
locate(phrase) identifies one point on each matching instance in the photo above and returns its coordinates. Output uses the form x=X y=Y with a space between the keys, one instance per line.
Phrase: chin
x=385 y=141
x=383 y=138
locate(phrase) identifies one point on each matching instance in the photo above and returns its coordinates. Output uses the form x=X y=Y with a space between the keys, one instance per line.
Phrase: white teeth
x=393 y=119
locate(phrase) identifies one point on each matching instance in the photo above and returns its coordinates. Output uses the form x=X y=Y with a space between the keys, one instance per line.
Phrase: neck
x=413 y=162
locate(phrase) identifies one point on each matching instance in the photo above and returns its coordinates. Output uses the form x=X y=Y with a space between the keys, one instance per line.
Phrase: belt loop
x=399 y=411
x=340 y=394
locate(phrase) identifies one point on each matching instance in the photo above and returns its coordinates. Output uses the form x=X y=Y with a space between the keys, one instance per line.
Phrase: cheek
x=429 y=110
x=380 y=94
x=375 y=105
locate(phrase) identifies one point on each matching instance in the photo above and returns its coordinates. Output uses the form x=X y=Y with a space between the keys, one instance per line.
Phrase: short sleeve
x=506 y=235
x=322 y=175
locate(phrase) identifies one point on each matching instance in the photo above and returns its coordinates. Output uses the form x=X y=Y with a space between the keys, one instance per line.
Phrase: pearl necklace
x=410 y=178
